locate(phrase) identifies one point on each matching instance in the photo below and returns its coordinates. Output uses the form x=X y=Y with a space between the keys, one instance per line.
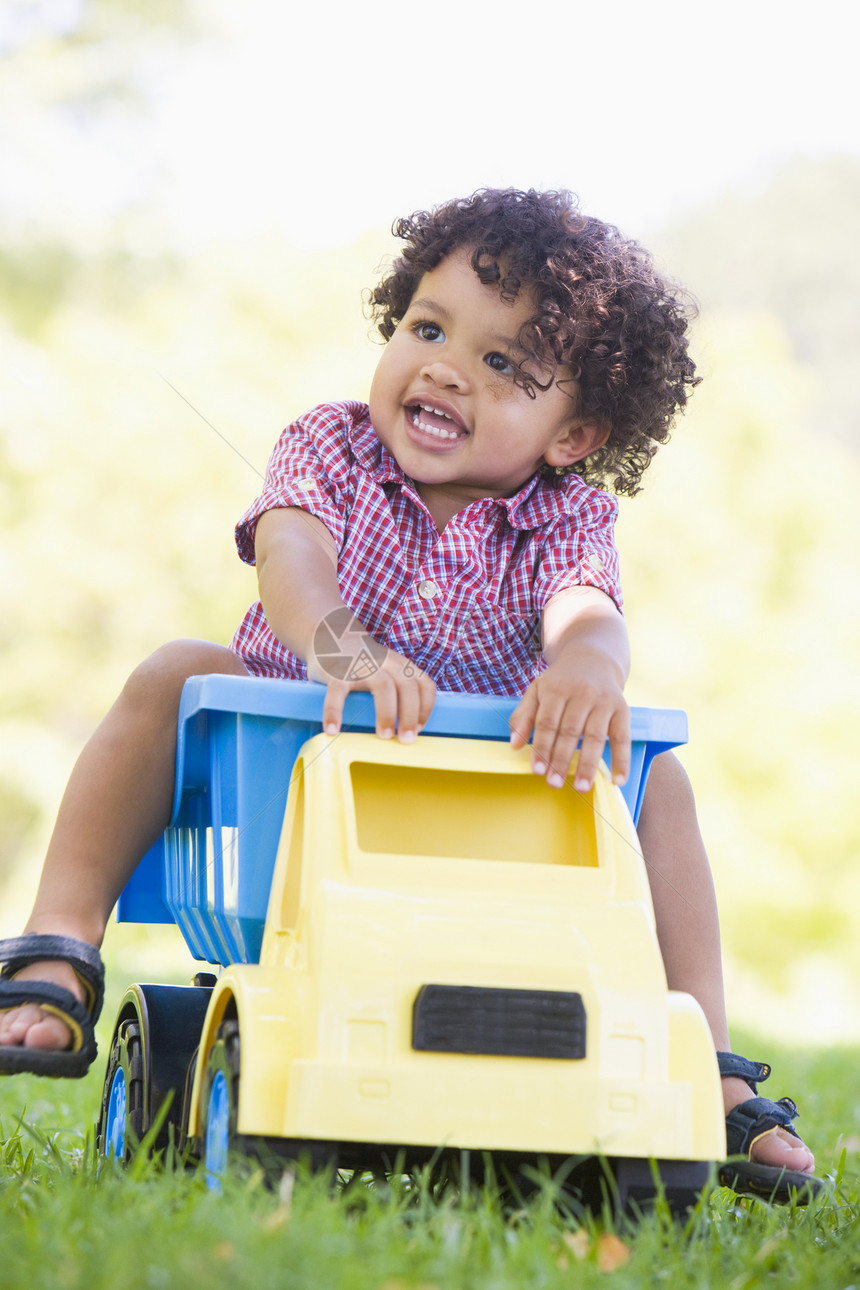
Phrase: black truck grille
x=498 y=1022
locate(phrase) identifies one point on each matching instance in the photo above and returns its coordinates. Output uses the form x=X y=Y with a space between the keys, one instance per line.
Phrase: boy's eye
x=499 y=363
x=428 y=331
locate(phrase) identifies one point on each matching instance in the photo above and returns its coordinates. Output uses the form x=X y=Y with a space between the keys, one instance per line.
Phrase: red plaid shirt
x=464 y=605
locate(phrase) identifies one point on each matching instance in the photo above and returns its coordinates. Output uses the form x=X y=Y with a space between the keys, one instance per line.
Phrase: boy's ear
x=579 y=441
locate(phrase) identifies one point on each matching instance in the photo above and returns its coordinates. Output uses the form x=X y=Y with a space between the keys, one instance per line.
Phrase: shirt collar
x=541 y=499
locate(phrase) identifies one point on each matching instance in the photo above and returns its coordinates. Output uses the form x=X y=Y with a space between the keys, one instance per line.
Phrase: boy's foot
x=778 y=1147
x=51 y=994
x=30 y=1026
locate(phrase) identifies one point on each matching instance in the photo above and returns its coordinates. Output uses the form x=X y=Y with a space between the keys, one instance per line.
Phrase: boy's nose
x=444 y=374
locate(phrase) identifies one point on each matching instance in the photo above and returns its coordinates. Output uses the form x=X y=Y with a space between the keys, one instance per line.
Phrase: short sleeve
x=580 y=551
x=307 y=459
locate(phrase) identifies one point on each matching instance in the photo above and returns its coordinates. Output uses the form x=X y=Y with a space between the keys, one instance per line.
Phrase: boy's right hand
x=403 y=695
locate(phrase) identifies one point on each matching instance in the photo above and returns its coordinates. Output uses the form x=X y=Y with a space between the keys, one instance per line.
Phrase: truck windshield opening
x=403 y=810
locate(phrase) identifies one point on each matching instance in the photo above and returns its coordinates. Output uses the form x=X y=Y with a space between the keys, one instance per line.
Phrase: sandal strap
x=750 y=1120
x=754 y=1073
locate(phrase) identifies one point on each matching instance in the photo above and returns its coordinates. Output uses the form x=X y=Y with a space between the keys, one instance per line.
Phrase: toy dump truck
x=423 y=949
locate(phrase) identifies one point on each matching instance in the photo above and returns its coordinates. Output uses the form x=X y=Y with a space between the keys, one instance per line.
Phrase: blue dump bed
x=238 y=738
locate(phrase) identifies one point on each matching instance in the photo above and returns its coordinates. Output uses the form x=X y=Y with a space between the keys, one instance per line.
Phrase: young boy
x=531 y=355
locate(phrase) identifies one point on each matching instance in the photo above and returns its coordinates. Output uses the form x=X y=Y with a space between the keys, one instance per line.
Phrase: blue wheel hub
x=217 y=1132
x=116 y=1117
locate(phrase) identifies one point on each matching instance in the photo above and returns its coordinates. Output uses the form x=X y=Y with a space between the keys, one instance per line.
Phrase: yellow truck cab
x=437 y=953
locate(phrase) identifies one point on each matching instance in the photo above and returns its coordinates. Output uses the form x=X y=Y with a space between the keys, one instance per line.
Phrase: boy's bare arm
x=297 y=578
x=581 y=693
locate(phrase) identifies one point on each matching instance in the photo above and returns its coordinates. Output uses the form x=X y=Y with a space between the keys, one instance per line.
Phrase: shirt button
x=428 y=590
x=595 y=561
x=305 y=485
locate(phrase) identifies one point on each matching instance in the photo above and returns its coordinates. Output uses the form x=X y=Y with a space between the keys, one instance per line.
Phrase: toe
x=784 y=1150
x=15 y=1022
x=30 y=1027
x=48 y=1033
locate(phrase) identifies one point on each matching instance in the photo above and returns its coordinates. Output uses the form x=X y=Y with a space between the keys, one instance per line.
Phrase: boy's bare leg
x=117 y=803
x=688 y=928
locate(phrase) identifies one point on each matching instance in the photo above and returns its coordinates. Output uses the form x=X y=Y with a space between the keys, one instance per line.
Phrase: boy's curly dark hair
x=603 y=312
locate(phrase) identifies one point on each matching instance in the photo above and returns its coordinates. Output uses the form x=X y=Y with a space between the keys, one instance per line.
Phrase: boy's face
x=444 y=400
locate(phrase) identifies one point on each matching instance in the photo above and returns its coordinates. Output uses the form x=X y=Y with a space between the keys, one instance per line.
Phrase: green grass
x=63 y=1227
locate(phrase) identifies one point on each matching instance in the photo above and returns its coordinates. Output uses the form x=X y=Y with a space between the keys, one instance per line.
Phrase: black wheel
x=154 y=1041
x=121 y=1122
x=640 y=1182
x=218 y=1138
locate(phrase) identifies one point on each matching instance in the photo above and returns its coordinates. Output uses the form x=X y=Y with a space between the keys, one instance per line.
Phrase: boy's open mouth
x=434 y=421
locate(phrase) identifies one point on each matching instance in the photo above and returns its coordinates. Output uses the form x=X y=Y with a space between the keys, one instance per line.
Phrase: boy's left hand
x=579 y=696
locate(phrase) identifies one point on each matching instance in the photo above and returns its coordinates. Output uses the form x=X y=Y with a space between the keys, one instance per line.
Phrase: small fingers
x=426 y=698
x=415 y=695
x=386 y=702
x=335 y=697
x=522 y=718
x=557 y=751
x=403 y=698
x=558 y=727
x=619 y=744
x=590 y=753
x=594 y=739
x=556 y=734
x=408 y=710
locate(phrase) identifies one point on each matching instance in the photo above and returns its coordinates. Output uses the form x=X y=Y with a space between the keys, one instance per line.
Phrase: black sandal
x=19 y=952
x=745 y=1124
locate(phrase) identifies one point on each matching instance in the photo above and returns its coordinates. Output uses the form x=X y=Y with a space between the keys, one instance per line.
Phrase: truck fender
x=692 y=1058
x=254 y=994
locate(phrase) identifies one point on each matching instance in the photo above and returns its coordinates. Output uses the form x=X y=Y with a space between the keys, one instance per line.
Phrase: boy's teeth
x=441 y=432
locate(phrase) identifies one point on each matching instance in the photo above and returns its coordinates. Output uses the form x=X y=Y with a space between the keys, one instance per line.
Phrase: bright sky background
x=643 y=108
x=321 y=122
